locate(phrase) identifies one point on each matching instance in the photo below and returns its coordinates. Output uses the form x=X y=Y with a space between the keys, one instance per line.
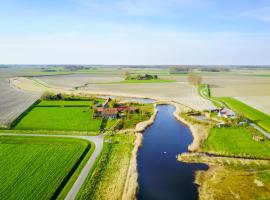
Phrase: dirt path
x=97 y=140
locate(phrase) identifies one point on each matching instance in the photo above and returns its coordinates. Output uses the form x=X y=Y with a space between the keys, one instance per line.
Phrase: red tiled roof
x=109 y=111
x=100 y=109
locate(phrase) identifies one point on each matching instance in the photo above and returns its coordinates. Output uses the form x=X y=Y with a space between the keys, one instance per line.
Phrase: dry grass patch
x=231 y=178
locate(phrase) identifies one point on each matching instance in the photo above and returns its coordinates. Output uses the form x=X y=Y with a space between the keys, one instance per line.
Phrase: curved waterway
x=161 y=176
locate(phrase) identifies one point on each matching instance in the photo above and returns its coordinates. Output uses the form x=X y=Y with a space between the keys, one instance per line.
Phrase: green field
x=65 y=103
x=235 y=141
x=38 y=167
x=204 y=90
x=59 y=118
x=110 y=123
x=107 y=179
x=253 y=114
x=131 y=120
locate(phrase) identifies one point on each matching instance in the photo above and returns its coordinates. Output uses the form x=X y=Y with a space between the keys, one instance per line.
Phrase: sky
x=137 y=32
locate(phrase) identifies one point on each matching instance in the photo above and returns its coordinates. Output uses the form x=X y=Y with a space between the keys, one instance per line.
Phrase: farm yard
x=38 y=167
x=80 y=115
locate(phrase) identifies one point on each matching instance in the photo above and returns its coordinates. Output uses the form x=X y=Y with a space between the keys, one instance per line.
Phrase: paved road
x=97 y=140
x=260 y=130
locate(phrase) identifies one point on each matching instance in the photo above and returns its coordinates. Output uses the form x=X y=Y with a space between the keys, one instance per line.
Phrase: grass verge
x=107 y=178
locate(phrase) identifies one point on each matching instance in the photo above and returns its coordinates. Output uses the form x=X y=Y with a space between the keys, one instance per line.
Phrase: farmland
x=257 y=116
x=249 y=88
x=37 y=167
x=59 y=118
x=174 y=88
x=236 y=142
x=75 y=115
x=13 y=101
x=147 y=81
x=77 y=80
x=107 y=179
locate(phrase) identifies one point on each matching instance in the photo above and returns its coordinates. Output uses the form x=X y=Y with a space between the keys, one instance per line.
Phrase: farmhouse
x=227 y=113
x=109 y=113
x=106 y=112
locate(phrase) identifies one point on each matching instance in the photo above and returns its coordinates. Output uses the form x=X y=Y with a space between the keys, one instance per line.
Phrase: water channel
x=161 y=176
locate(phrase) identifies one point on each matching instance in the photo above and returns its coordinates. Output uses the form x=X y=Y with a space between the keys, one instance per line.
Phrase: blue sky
x=135 y=32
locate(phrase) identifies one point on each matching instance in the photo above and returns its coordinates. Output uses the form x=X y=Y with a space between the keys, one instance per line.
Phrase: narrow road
x=258 y=128
x=97 y=140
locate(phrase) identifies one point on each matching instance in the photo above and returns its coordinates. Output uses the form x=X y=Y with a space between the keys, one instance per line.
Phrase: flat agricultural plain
x=13 y=101
x=60 y=115
x=77 y=80
x=252 y=90
x=38 y=167
x=179 y=91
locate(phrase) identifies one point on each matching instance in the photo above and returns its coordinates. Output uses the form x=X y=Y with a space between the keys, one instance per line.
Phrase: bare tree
x=127 y=74
x=194 y=79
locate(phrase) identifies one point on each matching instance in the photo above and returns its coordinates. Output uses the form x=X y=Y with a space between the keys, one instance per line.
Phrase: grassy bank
x=40 y=168
x=231 y=178
x=253 y=114
x=107 y=179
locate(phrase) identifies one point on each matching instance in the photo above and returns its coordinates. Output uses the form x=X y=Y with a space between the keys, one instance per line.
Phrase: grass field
x=107 y=180
x=37 y=167
x=132 y=119
x=204 y=90
x=59 y=118
x=111 y=123
x=257 y=116
x=235 y=141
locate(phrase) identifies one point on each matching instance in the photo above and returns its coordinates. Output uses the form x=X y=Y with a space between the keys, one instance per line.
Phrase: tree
x=194 y=79
x=127 y=74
